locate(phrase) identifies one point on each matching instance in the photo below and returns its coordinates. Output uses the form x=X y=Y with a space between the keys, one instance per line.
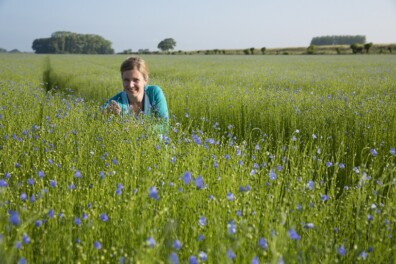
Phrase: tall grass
x=268 y=159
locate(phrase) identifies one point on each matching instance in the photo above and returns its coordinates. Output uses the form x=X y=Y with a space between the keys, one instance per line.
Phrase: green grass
x=303 y=143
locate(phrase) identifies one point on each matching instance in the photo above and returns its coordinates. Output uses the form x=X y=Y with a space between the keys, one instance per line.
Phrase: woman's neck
x=136 y=104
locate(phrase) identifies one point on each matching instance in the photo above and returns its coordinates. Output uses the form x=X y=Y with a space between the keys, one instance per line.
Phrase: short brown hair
x=135 y=63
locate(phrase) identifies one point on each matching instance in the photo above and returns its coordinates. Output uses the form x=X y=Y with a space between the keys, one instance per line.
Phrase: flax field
x=267 y=159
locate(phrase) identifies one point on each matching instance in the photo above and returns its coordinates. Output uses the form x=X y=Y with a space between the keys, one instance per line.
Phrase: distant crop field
x=268 y=159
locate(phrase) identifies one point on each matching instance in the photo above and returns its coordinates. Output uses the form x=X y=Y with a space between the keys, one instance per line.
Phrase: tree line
x=338 y=40
x=62 y=42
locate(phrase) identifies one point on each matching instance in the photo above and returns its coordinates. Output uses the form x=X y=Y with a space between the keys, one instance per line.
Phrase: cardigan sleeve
x=158 y=102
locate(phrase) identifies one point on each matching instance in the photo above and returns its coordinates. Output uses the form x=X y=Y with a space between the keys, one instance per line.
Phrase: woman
x=138 y=97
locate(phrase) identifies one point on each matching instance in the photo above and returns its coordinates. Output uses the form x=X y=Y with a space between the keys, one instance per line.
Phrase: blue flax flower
x=187 y=177
x=202 y=221
x=324 y=197
x=77 y=221
x=3 y=183
x=373 y=152
x=153 y=193
x=41 y=174
x=341 y=251
x=150 y=242
x=18 y=245
x=231 y=227
x=310 y=185
x=363 y=255
x=177 y=244
x=230 y=197
x=52 y=183
x=104 y=217
x=263 y=243
x=97 y=245
x=392 y=151
x=38 y=223
x=192 y=260
x=14 y=218
x=231 y=254
x=202 y=256
x=25 y=239
x=294 y=235
x=22 y=260
x=173 y=258
x=309 y=226
x=255 y=260
x=78 y=174
x=272 y=175
x=51 y=213
x=199 y=182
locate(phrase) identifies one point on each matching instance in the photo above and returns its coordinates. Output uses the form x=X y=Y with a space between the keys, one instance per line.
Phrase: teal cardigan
x=154 y=105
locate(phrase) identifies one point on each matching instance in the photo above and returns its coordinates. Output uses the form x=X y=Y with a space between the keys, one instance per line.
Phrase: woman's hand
x=113 y=108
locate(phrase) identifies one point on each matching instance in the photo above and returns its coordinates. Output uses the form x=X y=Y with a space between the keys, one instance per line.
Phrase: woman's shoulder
x=153 y=89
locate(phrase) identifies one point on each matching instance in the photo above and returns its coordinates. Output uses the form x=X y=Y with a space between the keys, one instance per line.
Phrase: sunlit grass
x=267 y=158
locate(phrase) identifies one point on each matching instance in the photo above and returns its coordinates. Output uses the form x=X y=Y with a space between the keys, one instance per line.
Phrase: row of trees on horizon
x=338 y=40
x=65 y=42
x=62 y=42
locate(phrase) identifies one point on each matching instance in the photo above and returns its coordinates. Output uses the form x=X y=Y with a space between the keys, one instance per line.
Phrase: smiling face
x=134 y=82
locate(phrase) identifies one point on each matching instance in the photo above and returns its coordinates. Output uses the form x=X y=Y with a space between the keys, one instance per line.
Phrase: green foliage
x=338 y=40
x=263 y=49
x=357 y=48
x=127 y=51
x=252 y=51
x=311 y=49
x=167 y=44
x=67 y=42
x=296 y=157
x=368 y=46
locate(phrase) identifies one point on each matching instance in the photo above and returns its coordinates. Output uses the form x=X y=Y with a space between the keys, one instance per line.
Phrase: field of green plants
x=268 y=159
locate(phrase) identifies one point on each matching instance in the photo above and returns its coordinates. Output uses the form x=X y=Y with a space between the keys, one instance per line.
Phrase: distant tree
x=246 y=51
x=127 y=51
x=311 y=49
x=263 y=49
x=390 y=49
x=167 y=44
x=338 y=40
x=2 y=50
x=144 y=51
x=367 y=46
x=252 y=51
x=357 y=48
x=69 y=42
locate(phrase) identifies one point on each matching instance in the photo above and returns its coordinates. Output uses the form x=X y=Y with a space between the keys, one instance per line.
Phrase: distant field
x=268 y=159
x=377 y=48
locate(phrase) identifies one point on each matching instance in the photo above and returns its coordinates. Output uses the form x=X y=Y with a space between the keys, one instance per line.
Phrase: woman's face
x=133 y=83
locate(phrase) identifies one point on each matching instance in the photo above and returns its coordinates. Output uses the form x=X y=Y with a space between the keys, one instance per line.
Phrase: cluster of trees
x=167 y=44
x=251 y=51
x=358 y=48
x=62 y=42
x=337 y=40
x=11 y=51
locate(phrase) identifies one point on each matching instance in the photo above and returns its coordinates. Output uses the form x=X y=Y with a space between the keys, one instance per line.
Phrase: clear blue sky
x=197 y=25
